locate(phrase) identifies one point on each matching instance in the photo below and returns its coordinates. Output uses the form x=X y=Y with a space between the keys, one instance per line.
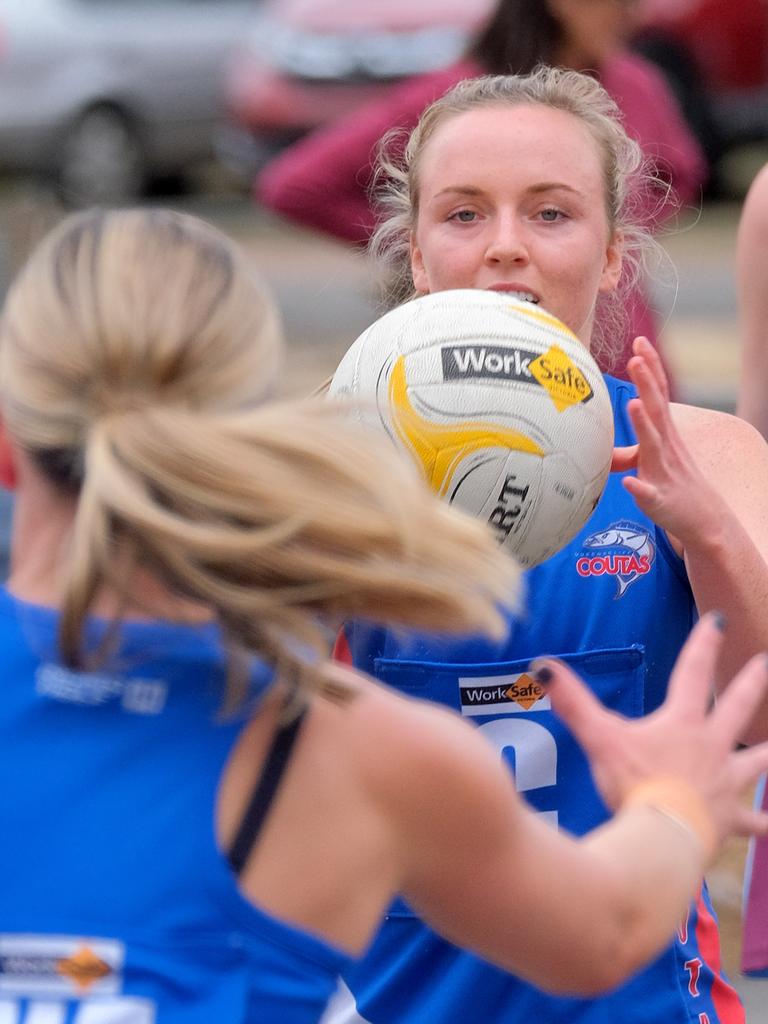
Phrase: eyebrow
x=544 y=186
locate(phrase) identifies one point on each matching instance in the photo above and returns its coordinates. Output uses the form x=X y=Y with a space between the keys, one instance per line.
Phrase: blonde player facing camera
x=526 y=186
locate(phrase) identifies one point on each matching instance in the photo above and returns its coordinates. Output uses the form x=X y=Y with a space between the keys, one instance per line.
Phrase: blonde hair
x=627 y=180
x=137 y=350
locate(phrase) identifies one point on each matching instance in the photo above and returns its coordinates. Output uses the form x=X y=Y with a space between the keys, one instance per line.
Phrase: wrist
x=678 y=801
x=710 y=535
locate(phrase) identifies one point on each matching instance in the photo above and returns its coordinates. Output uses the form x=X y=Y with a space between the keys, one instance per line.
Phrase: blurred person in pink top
x=325 y=181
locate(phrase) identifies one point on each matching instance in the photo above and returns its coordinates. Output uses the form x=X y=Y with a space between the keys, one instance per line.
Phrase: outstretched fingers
x=649 y=455
x=650 y=410
x=652 y=448
x=573 y=701
x=643 y=348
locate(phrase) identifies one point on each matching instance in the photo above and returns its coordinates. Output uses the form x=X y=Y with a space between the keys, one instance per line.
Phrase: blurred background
x=183 y=101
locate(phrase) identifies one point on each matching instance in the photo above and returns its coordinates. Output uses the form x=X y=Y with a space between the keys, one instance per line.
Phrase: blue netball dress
x=616 y=605
x=116 y=906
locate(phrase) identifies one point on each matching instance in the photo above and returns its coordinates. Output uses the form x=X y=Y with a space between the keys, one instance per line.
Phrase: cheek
x=577 y=283
x=445 y=265
x=576 y=265
x=596 y=259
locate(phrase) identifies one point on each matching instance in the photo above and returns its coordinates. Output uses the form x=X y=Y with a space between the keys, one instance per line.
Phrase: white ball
x=499 y=404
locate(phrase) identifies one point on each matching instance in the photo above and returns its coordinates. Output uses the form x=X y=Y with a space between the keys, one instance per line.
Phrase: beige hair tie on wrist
x=682 y=803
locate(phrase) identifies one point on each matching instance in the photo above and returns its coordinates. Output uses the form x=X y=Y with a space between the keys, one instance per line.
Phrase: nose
x=507 y=242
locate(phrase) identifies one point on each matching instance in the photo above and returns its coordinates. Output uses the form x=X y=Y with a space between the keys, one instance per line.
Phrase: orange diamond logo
x=525 y=691
x=83 y=968
x=559 y=376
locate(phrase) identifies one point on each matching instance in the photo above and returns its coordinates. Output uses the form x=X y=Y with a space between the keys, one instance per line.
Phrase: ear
x=614 y=261
x=8 y=475
x=418 y=271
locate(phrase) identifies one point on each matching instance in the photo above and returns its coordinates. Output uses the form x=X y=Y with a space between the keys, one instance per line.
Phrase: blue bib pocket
x=503 y=700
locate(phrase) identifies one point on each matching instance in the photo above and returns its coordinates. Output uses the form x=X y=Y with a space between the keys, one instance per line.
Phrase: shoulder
x=697 y=423
x=733 y=458
x=406 y=751
x=715 y=437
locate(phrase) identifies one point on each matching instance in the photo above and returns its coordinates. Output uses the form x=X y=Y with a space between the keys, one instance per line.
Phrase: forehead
x=521 y=141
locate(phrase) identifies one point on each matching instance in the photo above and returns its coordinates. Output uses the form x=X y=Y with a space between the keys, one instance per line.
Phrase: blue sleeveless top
x=616 y=605
x=116 y=907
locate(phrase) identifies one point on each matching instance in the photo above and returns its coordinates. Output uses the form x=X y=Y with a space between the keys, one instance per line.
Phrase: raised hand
x=686 y=739
x=669 y=486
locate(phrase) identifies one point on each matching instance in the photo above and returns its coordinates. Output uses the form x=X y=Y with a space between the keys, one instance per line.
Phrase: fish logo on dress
x=627 y=553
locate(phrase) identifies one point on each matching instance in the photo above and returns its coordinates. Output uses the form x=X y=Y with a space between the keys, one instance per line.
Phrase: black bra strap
x=264 y=792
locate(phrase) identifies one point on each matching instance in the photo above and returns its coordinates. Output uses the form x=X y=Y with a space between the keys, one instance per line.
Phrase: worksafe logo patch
x=60 y=965
x=501 y=695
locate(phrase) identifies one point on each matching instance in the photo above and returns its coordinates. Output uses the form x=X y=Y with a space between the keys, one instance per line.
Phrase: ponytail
x=279 y=520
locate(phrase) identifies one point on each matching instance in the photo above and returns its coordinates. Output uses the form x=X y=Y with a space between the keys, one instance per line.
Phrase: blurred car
x=105 y=95
x=303 y=63
x=715 y=55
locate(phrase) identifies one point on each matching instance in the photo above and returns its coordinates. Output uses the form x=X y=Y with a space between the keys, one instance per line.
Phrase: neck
x=41 y=532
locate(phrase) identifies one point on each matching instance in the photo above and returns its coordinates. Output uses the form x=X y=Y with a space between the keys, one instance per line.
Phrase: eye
x=463 y=216
x=551 y=214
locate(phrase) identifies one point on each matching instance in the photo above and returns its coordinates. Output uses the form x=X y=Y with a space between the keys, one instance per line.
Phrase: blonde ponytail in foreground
x=137 y=351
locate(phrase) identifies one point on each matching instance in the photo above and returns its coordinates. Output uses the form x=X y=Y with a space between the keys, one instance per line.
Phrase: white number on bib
x=535 y=753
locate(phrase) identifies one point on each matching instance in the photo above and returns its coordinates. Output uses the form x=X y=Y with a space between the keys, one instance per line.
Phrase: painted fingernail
x=719 y=620
x=543 y=675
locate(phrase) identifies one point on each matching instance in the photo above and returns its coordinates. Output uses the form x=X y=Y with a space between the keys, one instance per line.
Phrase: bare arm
x=322 y=181
x=752 y=287
x=727 y=557
x=702 y=476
